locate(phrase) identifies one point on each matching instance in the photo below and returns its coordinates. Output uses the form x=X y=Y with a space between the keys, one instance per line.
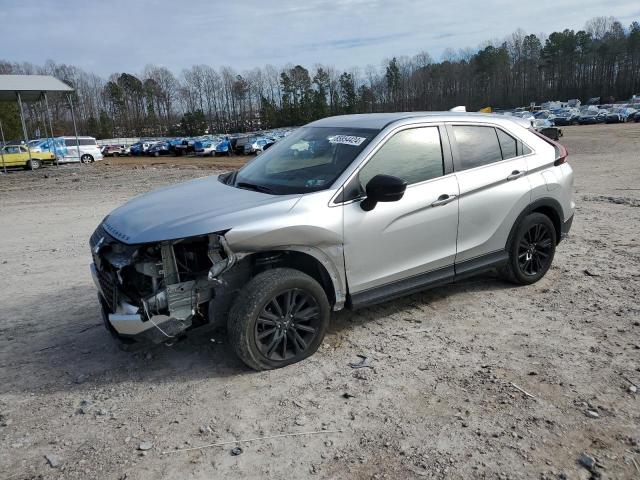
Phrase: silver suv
x=345 y=212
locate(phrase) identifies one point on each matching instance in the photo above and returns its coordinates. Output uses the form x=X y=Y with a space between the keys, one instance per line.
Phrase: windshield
x=308 y=160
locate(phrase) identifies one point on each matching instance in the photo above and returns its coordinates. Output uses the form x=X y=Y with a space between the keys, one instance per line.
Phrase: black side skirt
x=435 y=278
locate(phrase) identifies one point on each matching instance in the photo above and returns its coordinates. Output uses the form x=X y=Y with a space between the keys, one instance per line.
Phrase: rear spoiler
x=561 y=151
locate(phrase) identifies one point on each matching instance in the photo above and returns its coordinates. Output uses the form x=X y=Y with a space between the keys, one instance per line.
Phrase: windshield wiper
x=253 y=186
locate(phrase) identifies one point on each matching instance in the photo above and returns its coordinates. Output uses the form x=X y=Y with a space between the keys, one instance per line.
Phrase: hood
x=197 y=207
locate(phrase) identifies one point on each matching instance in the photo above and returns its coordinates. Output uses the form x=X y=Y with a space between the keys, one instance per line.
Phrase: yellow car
x=18 y=156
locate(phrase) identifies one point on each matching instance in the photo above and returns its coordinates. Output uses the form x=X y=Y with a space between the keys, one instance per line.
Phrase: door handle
x=443 y=200
x=516 y=174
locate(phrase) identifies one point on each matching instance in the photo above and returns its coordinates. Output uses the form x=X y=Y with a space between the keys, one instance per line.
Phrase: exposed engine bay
x=160 y=290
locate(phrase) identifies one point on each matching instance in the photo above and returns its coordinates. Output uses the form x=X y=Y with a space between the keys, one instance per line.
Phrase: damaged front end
x=156 y=292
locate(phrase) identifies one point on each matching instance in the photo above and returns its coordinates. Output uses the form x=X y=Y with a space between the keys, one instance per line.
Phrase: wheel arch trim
x=543 y=205
x=324 y=261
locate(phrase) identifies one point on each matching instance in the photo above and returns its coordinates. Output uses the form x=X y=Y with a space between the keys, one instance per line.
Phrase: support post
x=75 y=128
x=4 y=166
x=41 y=117
x=24 y=126
x=53 y=140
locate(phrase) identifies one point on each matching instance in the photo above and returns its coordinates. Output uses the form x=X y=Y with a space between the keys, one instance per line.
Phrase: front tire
x=280 y=317
x=531 y=250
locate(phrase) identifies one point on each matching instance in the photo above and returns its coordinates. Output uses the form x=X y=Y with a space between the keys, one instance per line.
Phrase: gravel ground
x=438 y=401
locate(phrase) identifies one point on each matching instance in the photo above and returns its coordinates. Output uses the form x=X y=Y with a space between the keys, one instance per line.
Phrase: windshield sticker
x=347 y=140
x=315 y=183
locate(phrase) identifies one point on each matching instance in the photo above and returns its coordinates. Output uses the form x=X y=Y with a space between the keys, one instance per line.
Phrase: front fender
x=310 y=227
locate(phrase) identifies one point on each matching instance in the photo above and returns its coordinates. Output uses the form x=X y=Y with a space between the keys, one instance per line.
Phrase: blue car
x=182 y=146
x=160 y=148
x=176 y=146
x=56 y=146
x=224 y=147
x=140 y=148
x=137 y=149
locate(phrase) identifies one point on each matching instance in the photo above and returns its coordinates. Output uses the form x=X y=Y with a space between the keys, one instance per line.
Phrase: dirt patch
x=632 y=202
x=439 y=399
x=215 y=163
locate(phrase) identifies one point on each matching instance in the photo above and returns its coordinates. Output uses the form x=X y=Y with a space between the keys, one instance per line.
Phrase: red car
x=113 y=150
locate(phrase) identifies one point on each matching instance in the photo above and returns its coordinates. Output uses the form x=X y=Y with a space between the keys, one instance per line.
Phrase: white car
x=206 y=148
x=89 y=150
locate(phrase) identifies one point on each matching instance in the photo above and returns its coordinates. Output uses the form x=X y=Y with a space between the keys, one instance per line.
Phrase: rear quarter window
x=508 y=144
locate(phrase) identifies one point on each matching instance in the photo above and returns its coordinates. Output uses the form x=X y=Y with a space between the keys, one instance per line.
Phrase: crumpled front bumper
x=131 y=327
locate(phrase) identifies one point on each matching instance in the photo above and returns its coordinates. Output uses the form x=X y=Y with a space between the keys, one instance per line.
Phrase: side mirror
x=383 y=188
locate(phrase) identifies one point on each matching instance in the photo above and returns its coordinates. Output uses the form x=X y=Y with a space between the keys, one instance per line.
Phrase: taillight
x=561 y=151
x=561 y=154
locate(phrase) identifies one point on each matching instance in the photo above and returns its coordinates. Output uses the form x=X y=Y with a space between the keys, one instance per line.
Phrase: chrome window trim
x=454 y=146
x=373 y=148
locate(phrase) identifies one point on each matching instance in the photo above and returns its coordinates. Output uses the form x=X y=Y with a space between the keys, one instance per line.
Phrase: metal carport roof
x=33 y=88
x=30 y=87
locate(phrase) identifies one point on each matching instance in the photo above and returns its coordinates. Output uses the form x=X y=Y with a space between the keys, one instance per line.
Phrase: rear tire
x=531 y=250
x=280 y=317
x=86 y=158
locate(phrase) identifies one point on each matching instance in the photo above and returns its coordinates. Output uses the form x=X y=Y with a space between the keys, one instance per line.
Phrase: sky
x=110 y=36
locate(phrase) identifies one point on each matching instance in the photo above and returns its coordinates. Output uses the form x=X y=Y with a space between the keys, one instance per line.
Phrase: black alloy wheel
x=287 y=325
x=278 y=318
x=531 y=249
x=534 y=250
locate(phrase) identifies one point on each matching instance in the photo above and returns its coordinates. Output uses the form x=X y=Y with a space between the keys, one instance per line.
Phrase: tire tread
x=251 y=298
x=510 y=271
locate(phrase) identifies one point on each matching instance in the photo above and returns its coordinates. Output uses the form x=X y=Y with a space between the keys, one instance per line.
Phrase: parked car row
x=582 y=115
x=207 y=145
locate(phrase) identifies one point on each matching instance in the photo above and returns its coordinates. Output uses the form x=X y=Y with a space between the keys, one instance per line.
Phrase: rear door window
x=477 y=145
